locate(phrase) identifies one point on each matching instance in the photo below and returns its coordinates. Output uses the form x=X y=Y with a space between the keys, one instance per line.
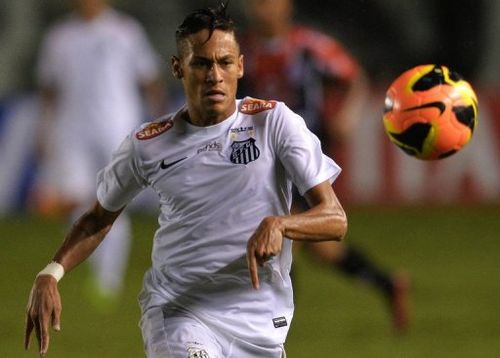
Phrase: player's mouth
x=215 y=95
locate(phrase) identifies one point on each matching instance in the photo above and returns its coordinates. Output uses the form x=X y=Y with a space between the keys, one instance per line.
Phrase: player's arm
x=325 y=220
x=44 y=304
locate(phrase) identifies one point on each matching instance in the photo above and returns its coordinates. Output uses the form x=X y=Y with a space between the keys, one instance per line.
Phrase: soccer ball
x=430 y=112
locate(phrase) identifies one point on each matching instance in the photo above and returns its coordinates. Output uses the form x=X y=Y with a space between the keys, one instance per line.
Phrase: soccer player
x=316 y=76
x=92 y=67
x=223 y=169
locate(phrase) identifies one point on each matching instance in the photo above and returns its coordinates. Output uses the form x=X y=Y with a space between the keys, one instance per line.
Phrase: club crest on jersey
x=244 y=151
x=154 y=129
x=254 y=105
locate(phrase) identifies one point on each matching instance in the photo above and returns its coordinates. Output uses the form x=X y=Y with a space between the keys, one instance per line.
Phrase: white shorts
x=181 y=335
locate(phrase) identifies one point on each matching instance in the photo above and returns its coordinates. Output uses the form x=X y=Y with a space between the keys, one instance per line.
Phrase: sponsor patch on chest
x=154 y=129
x=254 y=105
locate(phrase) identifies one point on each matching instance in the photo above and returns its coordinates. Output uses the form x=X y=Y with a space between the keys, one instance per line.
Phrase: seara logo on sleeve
x=152 y=130
x=254 y=105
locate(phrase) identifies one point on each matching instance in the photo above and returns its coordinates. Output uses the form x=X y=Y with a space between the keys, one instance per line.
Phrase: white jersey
x=215 y=184
x=96 y=68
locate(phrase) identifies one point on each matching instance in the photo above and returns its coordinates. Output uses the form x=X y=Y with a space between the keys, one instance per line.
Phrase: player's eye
x=201 y=63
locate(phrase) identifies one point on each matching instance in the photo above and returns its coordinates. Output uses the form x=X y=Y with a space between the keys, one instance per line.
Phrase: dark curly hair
x=209 y=18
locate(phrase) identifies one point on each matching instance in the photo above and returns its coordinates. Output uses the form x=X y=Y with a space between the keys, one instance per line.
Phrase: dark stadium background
x=438 y=221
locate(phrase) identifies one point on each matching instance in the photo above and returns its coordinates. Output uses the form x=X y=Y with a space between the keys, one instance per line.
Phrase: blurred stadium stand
x=378 y=32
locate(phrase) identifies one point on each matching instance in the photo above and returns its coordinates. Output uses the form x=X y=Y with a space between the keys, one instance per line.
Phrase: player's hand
x=44 y=307
x=265 y=243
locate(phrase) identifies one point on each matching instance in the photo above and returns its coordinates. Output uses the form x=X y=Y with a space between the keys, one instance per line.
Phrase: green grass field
x=451 y=254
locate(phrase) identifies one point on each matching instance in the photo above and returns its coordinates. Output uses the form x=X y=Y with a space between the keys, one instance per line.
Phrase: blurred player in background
x=321 y=81
x=97 y=73
x=223 y=169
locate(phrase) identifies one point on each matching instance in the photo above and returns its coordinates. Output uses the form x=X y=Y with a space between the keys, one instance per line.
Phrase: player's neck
x=90 y=13
x=206 y=119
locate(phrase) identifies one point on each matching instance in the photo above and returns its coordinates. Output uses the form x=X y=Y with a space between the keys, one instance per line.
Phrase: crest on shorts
x=154 y=129
x=254 y=105
x=244 y=151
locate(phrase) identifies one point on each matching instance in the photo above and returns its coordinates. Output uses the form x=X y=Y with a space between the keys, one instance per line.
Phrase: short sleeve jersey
x=215 y=184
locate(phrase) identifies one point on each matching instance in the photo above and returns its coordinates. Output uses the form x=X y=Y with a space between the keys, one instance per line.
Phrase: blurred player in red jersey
x=320 y=80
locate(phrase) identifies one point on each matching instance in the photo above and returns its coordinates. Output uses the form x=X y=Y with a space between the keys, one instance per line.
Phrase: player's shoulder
x=61 y=27
x=254 y=106
x=269 y=113
x=154 y=129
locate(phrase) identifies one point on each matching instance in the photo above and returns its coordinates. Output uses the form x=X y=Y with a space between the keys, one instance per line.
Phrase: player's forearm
x=316 y=224
x=325 y=220
x=84 y=237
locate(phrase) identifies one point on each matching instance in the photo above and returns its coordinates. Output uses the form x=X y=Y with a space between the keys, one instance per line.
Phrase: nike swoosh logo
x=164 y=165
x=439 y=105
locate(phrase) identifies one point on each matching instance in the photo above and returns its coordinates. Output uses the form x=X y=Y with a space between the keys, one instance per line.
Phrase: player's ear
x=176 y=67
x=241 y=66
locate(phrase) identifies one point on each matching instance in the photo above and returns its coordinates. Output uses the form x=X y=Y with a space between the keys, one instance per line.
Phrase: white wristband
x=53 y=269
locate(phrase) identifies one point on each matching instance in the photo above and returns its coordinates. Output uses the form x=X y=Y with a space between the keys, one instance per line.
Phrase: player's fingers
x=36 y=324
x=261 y=260
x=252 y=268
x=44 y=335
x=254 y=274
x=274 y=244
x=56 y=318
x=264 y=251
x=28 y=330
x=56 y=322
x=44 y=342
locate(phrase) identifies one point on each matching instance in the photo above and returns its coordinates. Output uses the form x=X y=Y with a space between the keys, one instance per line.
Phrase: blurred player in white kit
x=223 y=169
x=94 y=67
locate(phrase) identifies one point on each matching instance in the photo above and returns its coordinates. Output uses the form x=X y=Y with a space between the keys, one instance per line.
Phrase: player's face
x=209 y=71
